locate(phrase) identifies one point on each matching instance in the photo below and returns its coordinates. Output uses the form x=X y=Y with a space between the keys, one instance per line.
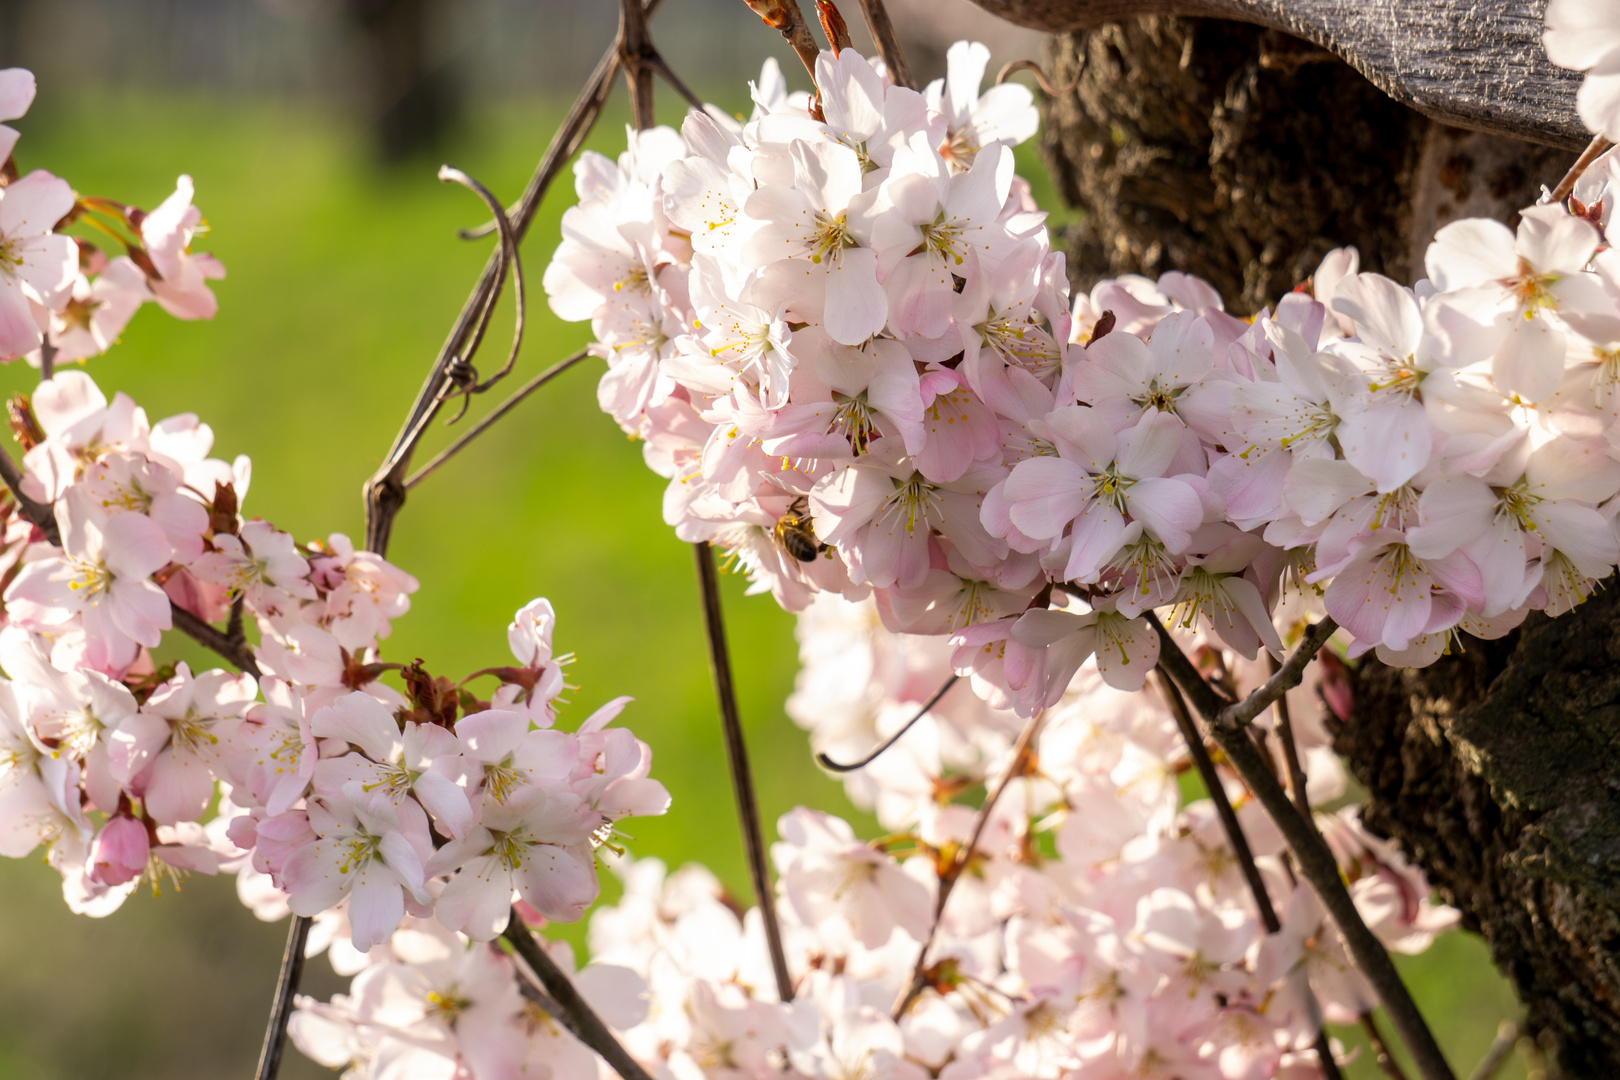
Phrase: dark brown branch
x=742 y=780
x=292 y=968
x=494 y=414
x=784 y=16
x=587 y=1026
x=1315 y=860
x=548 y=1005
x=1296 y=772
x=210 y=636
x=828 y=763
x=635 y=50
x=888 y=43
x=1595 y=149
x=1019 y=765
x=1238 y=841
x=39 y=514
x=1288 y=676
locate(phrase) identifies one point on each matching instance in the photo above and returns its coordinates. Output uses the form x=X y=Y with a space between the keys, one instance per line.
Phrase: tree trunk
x=1243 y=156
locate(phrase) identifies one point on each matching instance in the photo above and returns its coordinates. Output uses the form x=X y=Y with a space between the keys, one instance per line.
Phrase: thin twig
x=494 y=414
x=590 y=1028
x=1296 y=772
x=1315 y=860
x=1041 y=77
x=292 y=968
x=1507 y=1037
x=1594 y=150
x=39 y=514
x=1288 y=676
x=548 y=1005
x=1019 y=766
x=828 y=763
x=1381 y=1055
x=385 y=491
x=785 y=16
x=1238 y=841
x=205 y=633
x=509 y=246
x=742 y=780
x=888 y=43
x=47 y=358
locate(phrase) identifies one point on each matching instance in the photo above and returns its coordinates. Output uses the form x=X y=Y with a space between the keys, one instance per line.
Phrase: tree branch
x=635 y=50
x=1386 y=1061
x=1288 y=676
x=1316 y=861
x=785 y=16
x=39 y=514
x=888 y=43
x=1017 y=767
x=210 y=636
x=742 y=780
x=1238 y=840
x=1599 y=145
x=828 y=763
x=292 y=968
x=587 y=1026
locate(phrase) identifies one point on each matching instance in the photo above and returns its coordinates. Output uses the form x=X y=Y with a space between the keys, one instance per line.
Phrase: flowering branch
x=742 y=781
x=206 y=634
x=1285 y=679
x=1022 y=757
x=1236 y=838
x=1316 y=861
x=585 y=1024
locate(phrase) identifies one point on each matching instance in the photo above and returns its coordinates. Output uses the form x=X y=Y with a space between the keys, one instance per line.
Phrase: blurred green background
x=343 y=278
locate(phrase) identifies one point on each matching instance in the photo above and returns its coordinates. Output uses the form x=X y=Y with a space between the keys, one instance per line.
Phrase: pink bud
x=119 y=851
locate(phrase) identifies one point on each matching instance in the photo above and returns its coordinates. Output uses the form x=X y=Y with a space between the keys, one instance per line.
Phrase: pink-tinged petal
x=1148 y=448
x=16 y=92
x=361 y=720
x=920 y=292
x=492 y=734
x=1497 y=550
x=1388 y=441
x=140 y=610
x=1386 y=314
x=34 y=204
x=1453 y=511
x=478 y=900
x=1530 y=361
x=135 y=546
x=1474 y=251
x=857 y=307
x=1168 y=508
x=376 y=906
x=1580 y=33
x=1598 y=99
x=180 y=788
x=1571 y=468
x=1044 y=494
x=560 y=882
x=19 y=333
x=446 y=801
x=1127 y=649
x=1384 y=598
x=1080 y=434
x=1554 y=241
x=49 y=266
x=1580 y=533
x=1098 y=533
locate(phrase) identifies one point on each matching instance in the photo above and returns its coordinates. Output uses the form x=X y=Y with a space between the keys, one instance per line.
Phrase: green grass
x=343 y=281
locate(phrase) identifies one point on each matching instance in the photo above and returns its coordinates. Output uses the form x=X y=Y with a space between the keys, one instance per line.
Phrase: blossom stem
x=495 y=414
x=37 y=513
x=828 y=763
x=742 y=780
x=585 y=1023
x=888 y=43
x=1594 y=150
x=1236 y=839
x=1315 y=859
x=1286 y=677
x=785 y=17
x=1507 y=1037
x=292 y=967
x=1285 y=735
x=1022 y=755
x=1386 y=1061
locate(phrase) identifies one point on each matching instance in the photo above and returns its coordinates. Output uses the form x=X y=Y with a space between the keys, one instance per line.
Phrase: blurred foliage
x=343 y=281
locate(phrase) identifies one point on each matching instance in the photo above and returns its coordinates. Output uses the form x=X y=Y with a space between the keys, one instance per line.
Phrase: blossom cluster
x=852 y=350
x=72 y=295
x=1102 y=927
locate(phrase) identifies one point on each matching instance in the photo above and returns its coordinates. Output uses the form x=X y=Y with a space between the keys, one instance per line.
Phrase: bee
x=794 y=531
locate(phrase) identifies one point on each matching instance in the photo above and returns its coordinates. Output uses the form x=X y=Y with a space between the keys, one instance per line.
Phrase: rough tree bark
x=1243 y=156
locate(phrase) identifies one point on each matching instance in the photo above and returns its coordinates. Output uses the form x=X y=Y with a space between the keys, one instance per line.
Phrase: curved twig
x=1041 y=78
x=828 y=763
